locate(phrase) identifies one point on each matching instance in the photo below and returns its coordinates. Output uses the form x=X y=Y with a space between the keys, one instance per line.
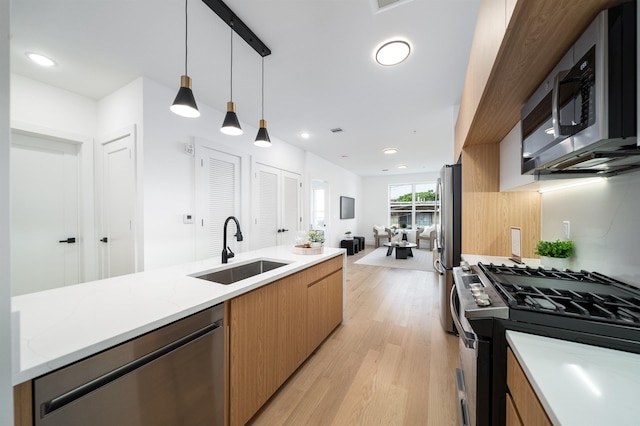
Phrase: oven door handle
x=470 y=339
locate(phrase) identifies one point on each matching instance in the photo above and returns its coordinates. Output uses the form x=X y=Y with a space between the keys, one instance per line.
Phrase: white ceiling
x=321 y=73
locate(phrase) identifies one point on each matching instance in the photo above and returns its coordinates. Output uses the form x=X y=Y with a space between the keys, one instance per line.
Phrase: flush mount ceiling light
x=305 y=135
x=390 y=150
x=40 y=59
x=402 y=166
x=185 y=104
x=393 y=52
x=262 y=139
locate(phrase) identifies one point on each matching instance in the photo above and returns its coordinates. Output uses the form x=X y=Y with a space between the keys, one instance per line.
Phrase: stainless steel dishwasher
x=170 y=376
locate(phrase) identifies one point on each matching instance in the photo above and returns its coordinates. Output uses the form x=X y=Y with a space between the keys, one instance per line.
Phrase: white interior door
x=277 y=200
x=290 y=217
x=217 y=197
x=118 y=206
x=44 y=213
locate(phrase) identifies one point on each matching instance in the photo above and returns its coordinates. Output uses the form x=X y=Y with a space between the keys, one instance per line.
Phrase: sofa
x=426 y=234
x=381 y=233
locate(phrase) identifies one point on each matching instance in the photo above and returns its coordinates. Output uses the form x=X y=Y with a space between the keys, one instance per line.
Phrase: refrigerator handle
x=437 y=265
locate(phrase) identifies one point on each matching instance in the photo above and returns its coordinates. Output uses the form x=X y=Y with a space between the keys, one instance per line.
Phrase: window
x=412 y=205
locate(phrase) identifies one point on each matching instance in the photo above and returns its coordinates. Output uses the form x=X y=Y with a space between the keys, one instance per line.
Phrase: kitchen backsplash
x=604 y=225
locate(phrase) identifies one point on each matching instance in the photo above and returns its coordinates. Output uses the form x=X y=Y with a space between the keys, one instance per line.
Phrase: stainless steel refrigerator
x=449 y=238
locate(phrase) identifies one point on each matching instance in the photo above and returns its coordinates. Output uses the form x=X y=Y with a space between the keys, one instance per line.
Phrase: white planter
x=316 y=245
x=554 y=262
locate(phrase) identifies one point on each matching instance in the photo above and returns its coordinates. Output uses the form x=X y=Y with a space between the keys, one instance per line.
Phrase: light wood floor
x=389 y=363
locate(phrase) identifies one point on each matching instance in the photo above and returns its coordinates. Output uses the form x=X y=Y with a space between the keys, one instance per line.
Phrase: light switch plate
x=187 y=218
x=566 y=225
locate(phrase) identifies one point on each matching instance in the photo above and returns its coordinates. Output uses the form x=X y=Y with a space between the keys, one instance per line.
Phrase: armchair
x=429 y=235
x=380 y=233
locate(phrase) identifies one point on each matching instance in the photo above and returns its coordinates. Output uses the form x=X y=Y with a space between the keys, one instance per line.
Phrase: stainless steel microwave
x=582 y=120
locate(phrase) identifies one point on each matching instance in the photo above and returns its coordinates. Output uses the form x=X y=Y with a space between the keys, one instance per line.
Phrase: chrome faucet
x=226 y=250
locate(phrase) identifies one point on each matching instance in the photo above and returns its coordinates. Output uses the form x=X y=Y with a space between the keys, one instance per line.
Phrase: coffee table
x=402 y=252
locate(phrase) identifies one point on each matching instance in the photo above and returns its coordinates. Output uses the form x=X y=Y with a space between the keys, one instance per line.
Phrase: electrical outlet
x=189 y=149
x=566 y=225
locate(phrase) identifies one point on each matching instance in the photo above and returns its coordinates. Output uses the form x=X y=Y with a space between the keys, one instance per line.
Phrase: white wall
x=340 y=182
x=169 y=173
x=604 y=225
x=6 y=390
x=376 y=202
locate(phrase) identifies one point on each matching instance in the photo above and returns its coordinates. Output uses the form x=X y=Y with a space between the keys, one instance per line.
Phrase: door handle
x=104 y=240
x=280 y=230
x=69 y=240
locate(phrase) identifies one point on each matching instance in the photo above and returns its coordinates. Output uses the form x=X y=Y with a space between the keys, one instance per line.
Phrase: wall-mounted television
x=347 y=208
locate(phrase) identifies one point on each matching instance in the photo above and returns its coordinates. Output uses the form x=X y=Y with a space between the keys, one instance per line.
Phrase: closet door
x=217 y=198
x=44 y=213
x=276 y=199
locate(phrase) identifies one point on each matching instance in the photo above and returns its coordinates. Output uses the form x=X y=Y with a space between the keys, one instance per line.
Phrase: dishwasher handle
x=74 y=394
x=469 y=338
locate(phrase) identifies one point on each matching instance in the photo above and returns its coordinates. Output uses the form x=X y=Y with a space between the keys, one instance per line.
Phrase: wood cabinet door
x=292 y=325
x=324 y=308
x=252 y=352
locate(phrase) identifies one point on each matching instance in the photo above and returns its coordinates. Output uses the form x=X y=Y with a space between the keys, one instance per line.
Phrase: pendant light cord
x=263 y=87
x=231 y=72
x=186 y=33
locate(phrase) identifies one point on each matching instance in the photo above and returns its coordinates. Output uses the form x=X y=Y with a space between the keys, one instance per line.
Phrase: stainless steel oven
x=471 y=299
x=585 y=307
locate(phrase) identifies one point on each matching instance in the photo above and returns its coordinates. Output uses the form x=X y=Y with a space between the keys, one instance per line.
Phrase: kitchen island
x=57 y=327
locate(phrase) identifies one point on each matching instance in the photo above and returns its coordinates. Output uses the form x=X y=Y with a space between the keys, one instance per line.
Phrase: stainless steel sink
x=238 y=273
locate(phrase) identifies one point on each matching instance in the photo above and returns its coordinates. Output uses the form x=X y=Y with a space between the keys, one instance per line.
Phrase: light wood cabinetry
x=324 y=307
x=523 y=406
x=274 y=328
x=488 y=214
x=515 y=45
x=22 y=404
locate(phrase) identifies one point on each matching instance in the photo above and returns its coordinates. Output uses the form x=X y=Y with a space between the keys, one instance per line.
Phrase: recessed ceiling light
x=549 y=131
x=390 y=150
x=40 y=59
x=304 y=135
x=393 y=52
x=402 y=166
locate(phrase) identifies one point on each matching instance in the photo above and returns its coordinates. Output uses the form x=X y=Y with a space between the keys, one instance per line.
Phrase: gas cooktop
x=582 y=294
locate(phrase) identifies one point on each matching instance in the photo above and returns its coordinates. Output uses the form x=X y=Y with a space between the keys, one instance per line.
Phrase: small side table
x=360 y=241
x=350 y=245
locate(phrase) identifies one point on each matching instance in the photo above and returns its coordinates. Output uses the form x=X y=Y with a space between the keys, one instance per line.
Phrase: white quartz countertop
x=580 y=384
x=57 y=327
x=473 y=259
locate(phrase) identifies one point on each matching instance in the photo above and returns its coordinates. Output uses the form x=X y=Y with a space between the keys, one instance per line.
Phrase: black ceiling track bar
x=236 y=24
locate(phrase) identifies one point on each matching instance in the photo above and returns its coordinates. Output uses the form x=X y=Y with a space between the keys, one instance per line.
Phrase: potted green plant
x=553 y=254
x=316 y=238
x=347 y=235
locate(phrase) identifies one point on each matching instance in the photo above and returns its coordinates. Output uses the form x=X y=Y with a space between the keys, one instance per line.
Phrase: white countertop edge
x=34 y=310
x=579 y=384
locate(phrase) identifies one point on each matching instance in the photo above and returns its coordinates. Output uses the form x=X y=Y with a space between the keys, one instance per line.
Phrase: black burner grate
x=568 y=293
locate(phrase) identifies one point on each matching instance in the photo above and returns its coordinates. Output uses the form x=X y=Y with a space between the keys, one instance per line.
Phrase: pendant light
x=185 y=103
x=262 y=139
x=231 y=125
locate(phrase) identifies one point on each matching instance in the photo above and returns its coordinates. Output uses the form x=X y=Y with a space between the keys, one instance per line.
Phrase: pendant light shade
x=262 y=139
x=231 y=125
x=185 y=103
